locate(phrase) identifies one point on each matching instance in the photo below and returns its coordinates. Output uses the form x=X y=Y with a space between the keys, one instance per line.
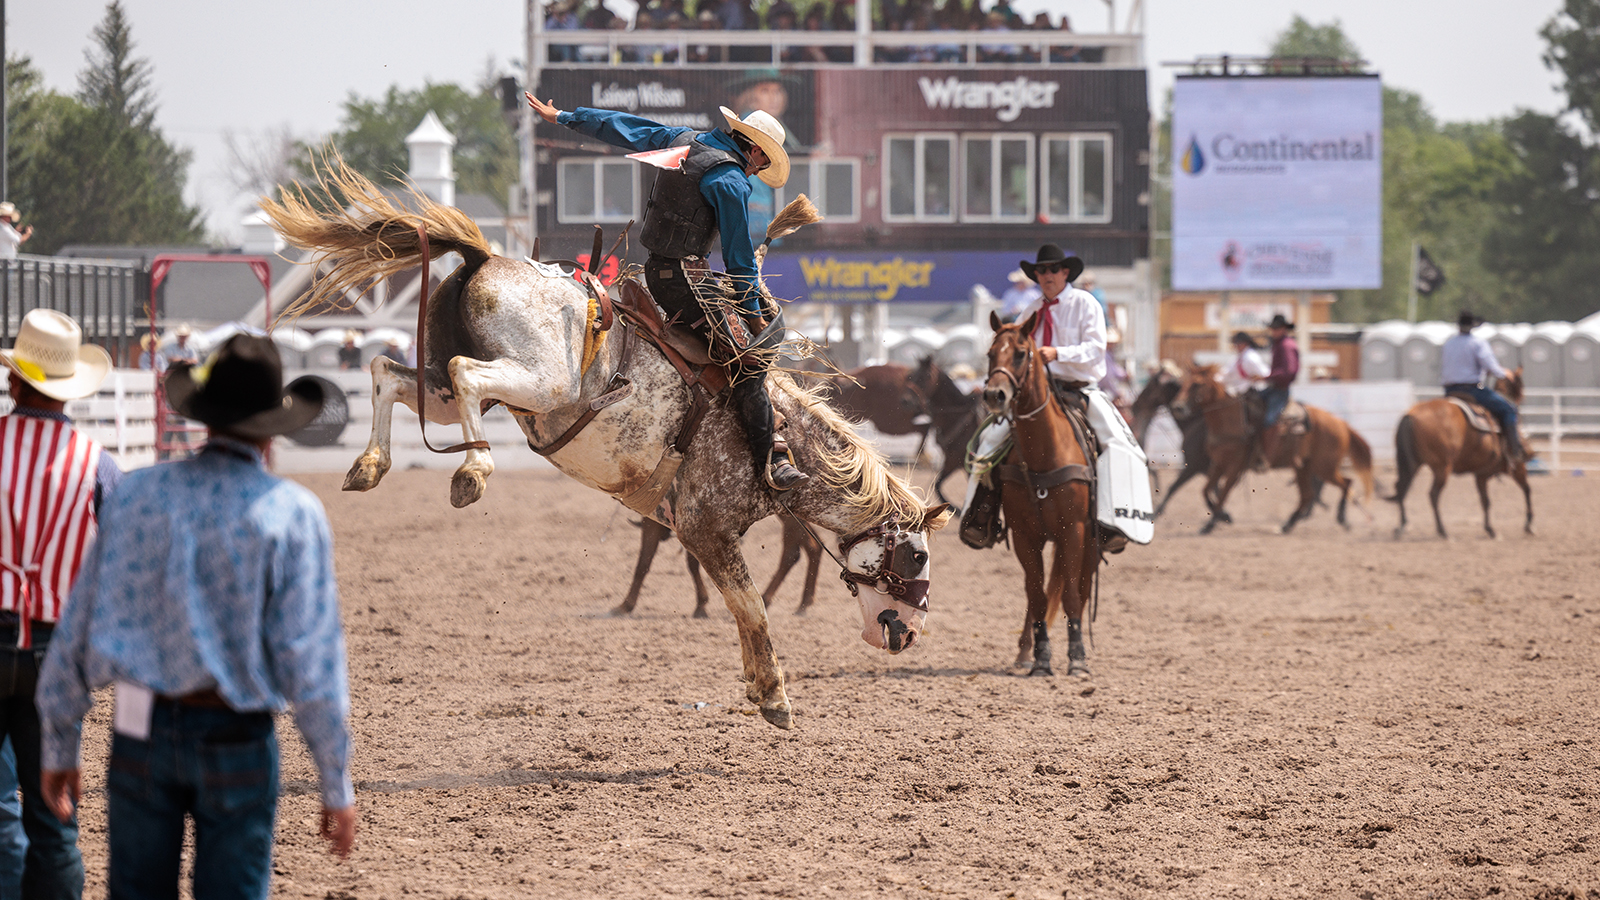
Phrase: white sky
x=224 y=67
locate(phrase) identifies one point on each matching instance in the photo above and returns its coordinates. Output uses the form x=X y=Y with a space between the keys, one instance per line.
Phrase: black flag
x=1429 y=276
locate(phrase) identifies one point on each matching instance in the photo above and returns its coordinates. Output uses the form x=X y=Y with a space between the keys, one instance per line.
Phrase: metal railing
x=106 y=297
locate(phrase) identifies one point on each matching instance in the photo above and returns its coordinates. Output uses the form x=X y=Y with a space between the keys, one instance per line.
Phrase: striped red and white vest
x=47 y=519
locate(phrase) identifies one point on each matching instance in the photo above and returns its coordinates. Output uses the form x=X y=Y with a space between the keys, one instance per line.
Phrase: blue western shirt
x=211 y=573
x=1465 y=358
x=725 y=187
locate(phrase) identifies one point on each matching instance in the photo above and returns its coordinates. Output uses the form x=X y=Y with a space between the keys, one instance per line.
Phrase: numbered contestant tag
x=134 y=705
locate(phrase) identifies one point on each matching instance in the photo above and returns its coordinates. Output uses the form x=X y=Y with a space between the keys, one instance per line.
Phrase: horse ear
x=1028 y=323
x=936 y=517
x=994 y=320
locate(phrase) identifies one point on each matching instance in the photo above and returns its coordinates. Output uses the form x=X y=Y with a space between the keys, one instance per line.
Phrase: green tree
x=94 y=169
x=372 y=136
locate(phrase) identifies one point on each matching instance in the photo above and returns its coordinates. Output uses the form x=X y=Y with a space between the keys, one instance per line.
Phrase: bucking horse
x=613 y=410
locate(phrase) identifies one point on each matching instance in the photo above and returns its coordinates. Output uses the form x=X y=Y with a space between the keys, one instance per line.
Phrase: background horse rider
x=701 y=196
x=1248 y=369
x=1071 y=334
x=1463 y=361
x=1285 y=369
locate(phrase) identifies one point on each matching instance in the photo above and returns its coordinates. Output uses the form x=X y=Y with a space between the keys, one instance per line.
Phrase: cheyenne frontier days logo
x=1009 y=97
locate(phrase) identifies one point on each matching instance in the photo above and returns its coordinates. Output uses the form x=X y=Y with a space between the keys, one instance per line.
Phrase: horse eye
x=920 y=558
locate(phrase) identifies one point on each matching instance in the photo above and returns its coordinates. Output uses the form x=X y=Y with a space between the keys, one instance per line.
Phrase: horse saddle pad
x=1294 y=418
x=1478 y=417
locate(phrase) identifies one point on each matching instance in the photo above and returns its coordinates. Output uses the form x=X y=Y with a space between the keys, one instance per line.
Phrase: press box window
x=597 y=189
x=831 y=184
x=997 y=178
x=1075 y=173
x=919 y=178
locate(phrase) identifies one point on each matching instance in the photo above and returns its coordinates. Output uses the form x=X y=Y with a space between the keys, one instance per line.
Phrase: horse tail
x=363 y=235
x=1361 y=459
x=1405 y=457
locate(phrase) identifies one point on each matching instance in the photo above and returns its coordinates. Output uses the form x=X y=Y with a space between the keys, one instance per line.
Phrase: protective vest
x=47 y=522
x=678 y=221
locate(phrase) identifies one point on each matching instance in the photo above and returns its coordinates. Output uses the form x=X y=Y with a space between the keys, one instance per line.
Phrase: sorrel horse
x=1160 y=392
x=956 y=416
x=1315 y=456
x=530 y=336
x=1045 y=494
x=795 y=540
x=1436 y=434
x=884 y=396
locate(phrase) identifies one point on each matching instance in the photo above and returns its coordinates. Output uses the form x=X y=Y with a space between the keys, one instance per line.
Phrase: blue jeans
x=1276 y=398
x=52 y=868
x=13 y=840
x=214 y=765
x=1496 y=404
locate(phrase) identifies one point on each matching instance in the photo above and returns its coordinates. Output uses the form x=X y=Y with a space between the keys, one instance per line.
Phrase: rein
x=422 y=321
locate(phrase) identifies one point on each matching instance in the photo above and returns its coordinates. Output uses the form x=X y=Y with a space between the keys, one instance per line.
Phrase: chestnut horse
x=1046 y=494
x=1315 y=456
x=1161 y=391
x=1437 y=434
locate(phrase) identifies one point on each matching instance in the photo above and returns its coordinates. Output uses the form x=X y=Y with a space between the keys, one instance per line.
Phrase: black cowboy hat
x=239 y=390
x=1278 y=321
x=1048 y=254
x=1468 y=319
x=1240 y=337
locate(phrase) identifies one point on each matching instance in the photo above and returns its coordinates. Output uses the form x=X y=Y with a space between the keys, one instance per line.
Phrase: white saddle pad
x=1123 y=500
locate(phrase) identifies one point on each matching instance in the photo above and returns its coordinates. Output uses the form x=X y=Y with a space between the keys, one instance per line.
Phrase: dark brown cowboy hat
x=239 y=390
x=1050 y=254
x=1469 y=319
x=1278 y=321
x=1240 y=337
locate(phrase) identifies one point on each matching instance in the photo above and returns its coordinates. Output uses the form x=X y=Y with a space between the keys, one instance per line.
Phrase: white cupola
x=433 y=160
x=259 y=236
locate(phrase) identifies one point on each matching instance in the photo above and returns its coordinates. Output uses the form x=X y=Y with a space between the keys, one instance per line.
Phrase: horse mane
x=851 y=466
x=373 y=237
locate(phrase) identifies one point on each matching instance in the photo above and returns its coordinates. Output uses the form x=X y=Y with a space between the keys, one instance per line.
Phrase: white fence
x=121 y=417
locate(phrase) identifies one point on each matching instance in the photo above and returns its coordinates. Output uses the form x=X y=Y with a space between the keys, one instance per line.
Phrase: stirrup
x=1111 y=540
x=782 y=474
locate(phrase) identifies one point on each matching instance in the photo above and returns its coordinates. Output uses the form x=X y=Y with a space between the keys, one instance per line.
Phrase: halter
x=885 y=580
x=1016 y=388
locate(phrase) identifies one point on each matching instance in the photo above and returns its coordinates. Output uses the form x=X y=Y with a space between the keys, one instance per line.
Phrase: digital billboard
x=1277 y=183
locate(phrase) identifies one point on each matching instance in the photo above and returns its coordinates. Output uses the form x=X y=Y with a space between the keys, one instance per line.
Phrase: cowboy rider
x=1285 y=368
x=1070 y=331
x=704 y=196
x=1463 y=361
x=1247 y=368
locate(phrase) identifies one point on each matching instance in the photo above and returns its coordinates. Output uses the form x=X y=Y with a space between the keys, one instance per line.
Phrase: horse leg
x=651 y=534
x=1483 y=498
x=701 y=595
x=1308 y=485
x=1519 y=474
x=1344 y=498
x=1440 y=476
x=790 y=556
x=813 y=564
x=1077 y=601
x=389 y=383
x=1029 y=549
x=719 y=553
x=1166 y=496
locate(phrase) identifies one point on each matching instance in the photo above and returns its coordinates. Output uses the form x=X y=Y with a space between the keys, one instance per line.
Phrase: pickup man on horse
x=1071 y=335
x=1285 y=369
x=1463 y=361
x=701 y=194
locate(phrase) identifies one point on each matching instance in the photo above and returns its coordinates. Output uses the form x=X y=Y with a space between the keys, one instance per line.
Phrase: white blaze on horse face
x=888 y=622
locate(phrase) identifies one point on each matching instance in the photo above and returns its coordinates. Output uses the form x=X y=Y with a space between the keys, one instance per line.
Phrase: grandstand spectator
x=781 y=17
x=10 y=237
x=1068 y=53
x=653 y=53
x=998 y=53
x=563 y=17
x=706 y=20
x=815 y=20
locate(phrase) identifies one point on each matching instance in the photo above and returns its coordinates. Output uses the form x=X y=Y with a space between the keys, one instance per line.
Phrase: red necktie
x=1044 y=330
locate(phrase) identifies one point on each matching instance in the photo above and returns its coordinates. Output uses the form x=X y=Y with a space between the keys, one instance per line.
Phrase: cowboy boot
x=782 y=474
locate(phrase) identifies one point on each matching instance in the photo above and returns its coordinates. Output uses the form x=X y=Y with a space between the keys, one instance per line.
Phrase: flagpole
x=1411 y=294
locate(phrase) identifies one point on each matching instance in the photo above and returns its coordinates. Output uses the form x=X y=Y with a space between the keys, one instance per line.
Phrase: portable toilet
x=292 y=345
x=1419 y=355
x=911 y=348
x=377 y=340
x=1380 y=350
x=1580 y=359
x=1541 y=354
x=965 y=345
x=1507 y=341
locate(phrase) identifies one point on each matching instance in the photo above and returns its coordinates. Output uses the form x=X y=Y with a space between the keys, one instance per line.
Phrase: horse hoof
x=778 y=716
x=802 y=611
x=466 y=488
x=619 y=611
x=700 y=613
x=1042 y=670
x=364 y=475
x=1078 y=669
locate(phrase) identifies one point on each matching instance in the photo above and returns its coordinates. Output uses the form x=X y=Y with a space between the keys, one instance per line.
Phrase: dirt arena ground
x=1328 y=714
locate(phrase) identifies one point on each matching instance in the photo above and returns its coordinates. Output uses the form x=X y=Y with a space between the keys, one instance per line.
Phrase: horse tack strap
x=620 y=388
x=1042 y=482
x=422 y=359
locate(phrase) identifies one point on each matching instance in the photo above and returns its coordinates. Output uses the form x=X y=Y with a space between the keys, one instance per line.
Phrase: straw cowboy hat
x=767 y=133
x=239 y=390
x=8 y=210
x=1050 y=254
x=183 y=330
x=51 y=357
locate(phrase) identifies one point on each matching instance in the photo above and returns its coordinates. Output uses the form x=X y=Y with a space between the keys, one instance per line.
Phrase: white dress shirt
x=1080 y=336
x=1248 y=368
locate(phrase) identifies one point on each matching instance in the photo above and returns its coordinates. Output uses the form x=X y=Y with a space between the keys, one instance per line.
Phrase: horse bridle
x=1016 y=386
x=884 y=580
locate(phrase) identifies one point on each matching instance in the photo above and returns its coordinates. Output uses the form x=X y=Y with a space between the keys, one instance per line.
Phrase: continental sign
x=890 y=276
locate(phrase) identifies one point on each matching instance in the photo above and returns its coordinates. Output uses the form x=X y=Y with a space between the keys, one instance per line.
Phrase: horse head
x=891 y=560
x=1200 y=387
x=1161 y=390
x=1014 y=362
x=1511 y=386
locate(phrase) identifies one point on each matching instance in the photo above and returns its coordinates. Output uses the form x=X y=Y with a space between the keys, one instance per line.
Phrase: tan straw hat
x=767 y=133
x=7 y=209
x=52 y=358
